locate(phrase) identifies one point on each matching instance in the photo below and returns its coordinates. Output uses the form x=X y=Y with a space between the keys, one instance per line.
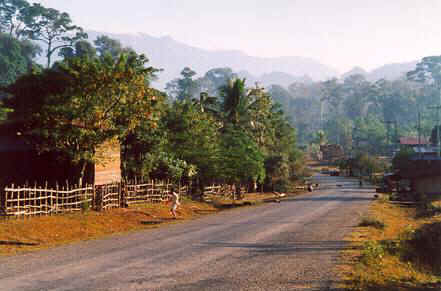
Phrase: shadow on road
x=159 y=221
x=330 y=198
x=305 y=246
x=16 y=243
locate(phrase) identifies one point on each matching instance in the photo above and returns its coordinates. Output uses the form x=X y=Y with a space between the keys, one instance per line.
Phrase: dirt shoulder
x=383 y=254
x=30 y=234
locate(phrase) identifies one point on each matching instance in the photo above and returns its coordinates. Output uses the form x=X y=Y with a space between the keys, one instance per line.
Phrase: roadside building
x=423 y=171
x=413 y=142
x=22 y=164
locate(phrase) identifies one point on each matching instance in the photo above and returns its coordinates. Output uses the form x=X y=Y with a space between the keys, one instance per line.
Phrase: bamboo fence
x=221 y=190
x=152 y=191
x=31 y=201
x=108 y=196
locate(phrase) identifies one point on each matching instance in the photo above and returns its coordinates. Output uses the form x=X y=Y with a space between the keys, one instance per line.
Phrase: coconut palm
x=246 y=109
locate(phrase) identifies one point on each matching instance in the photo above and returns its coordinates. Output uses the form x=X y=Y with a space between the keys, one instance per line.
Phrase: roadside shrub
x=426 y=207
x=85 y=206
x=373 y=222
x=372 y=251
x=424 y=248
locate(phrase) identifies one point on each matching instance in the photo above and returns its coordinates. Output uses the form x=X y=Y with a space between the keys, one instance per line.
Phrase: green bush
x=372 y=251
x=370 y=221
x=85 y=206
x=424 y=247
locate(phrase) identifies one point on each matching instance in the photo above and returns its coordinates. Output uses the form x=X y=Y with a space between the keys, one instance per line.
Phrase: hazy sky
x=339 y=33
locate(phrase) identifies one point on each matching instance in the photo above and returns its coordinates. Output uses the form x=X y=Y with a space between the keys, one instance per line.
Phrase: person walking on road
x=175 y=203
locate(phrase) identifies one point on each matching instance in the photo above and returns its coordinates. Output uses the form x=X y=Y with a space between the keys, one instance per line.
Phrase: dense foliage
x=362 y=115
x=209 y=129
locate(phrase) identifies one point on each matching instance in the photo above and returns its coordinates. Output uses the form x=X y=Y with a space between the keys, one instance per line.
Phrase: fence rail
x=154 y=192
x=221 y=190
x=31 y=201
x=108 y=196
x=28 y=201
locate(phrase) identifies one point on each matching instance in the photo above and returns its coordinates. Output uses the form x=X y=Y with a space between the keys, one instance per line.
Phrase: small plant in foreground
x=369 y=221
x=85 y=206
x=424 y=247
x=372 y=252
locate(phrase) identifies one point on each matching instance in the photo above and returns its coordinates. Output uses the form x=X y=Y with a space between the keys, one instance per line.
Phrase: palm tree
x=246 y=109
x=235 y=101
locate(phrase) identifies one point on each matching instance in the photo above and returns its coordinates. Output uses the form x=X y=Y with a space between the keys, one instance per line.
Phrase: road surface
x=293 y=245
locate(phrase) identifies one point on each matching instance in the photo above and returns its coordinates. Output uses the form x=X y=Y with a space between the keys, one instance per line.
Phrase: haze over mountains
x=388 y=71
x=172 y=56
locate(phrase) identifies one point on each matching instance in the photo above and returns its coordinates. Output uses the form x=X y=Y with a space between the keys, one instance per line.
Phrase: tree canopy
x=81 y=103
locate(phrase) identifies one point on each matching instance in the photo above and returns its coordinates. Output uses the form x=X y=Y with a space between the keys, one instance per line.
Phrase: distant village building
x=424 y=172
x=414 y=142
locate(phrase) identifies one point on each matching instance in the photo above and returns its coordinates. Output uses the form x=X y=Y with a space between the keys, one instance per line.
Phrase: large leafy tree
x=356 y=91
x=81 y=49
x=144 y=149
x=242 y=161
x=268 y=133
x=184 y=88
x=16 y=58
x=427 y=71
x=194 y=138
x=108 y=46
x=370 y=135
x=214 y=79
x=282 y=159
x=54 y=29
x=15 y=16
x=83 y=103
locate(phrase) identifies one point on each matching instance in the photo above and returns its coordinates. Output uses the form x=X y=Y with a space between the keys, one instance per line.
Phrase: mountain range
x=172 y=56
x=388 y=71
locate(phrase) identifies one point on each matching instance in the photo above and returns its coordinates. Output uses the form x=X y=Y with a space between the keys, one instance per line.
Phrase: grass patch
x=393 y=257
x=23 y=235
x=30 y=234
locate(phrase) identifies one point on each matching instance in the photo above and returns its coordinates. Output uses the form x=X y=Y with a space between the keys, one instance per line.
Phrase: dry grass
x=20 y=235
x=375 y=262
x=23 y=235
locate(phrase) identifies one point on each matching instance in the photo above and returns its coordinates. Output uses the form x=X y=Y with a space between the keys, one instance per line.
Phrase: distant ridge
x=173 y=56
x=389 y=71
x=355 y=71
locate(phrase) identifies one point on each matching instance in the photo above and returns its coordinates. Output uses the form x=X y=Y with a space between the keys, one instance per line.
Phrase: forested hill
x=173 y=56
x=389 y=72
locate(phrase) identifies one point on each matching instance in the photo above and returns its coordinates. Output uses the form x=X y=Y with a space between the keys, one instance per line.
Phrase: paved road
x=293 y=245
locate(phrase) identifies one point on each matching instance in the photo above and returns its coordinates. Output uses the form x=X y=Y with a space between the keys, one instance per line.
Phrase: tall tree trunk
x=49 y=54
x=83 y=164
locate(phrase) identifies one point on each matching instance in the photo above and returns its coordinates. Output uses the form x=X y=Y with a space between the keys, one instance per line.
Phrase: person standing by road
x=175 y=203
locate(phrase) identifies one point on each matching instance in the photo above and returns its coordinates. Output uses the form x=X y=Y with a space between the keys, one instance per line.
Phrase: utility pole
x=419 y=127
x=437 y=108
x=419 y=132
x=388 y=125
x=321 y=114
